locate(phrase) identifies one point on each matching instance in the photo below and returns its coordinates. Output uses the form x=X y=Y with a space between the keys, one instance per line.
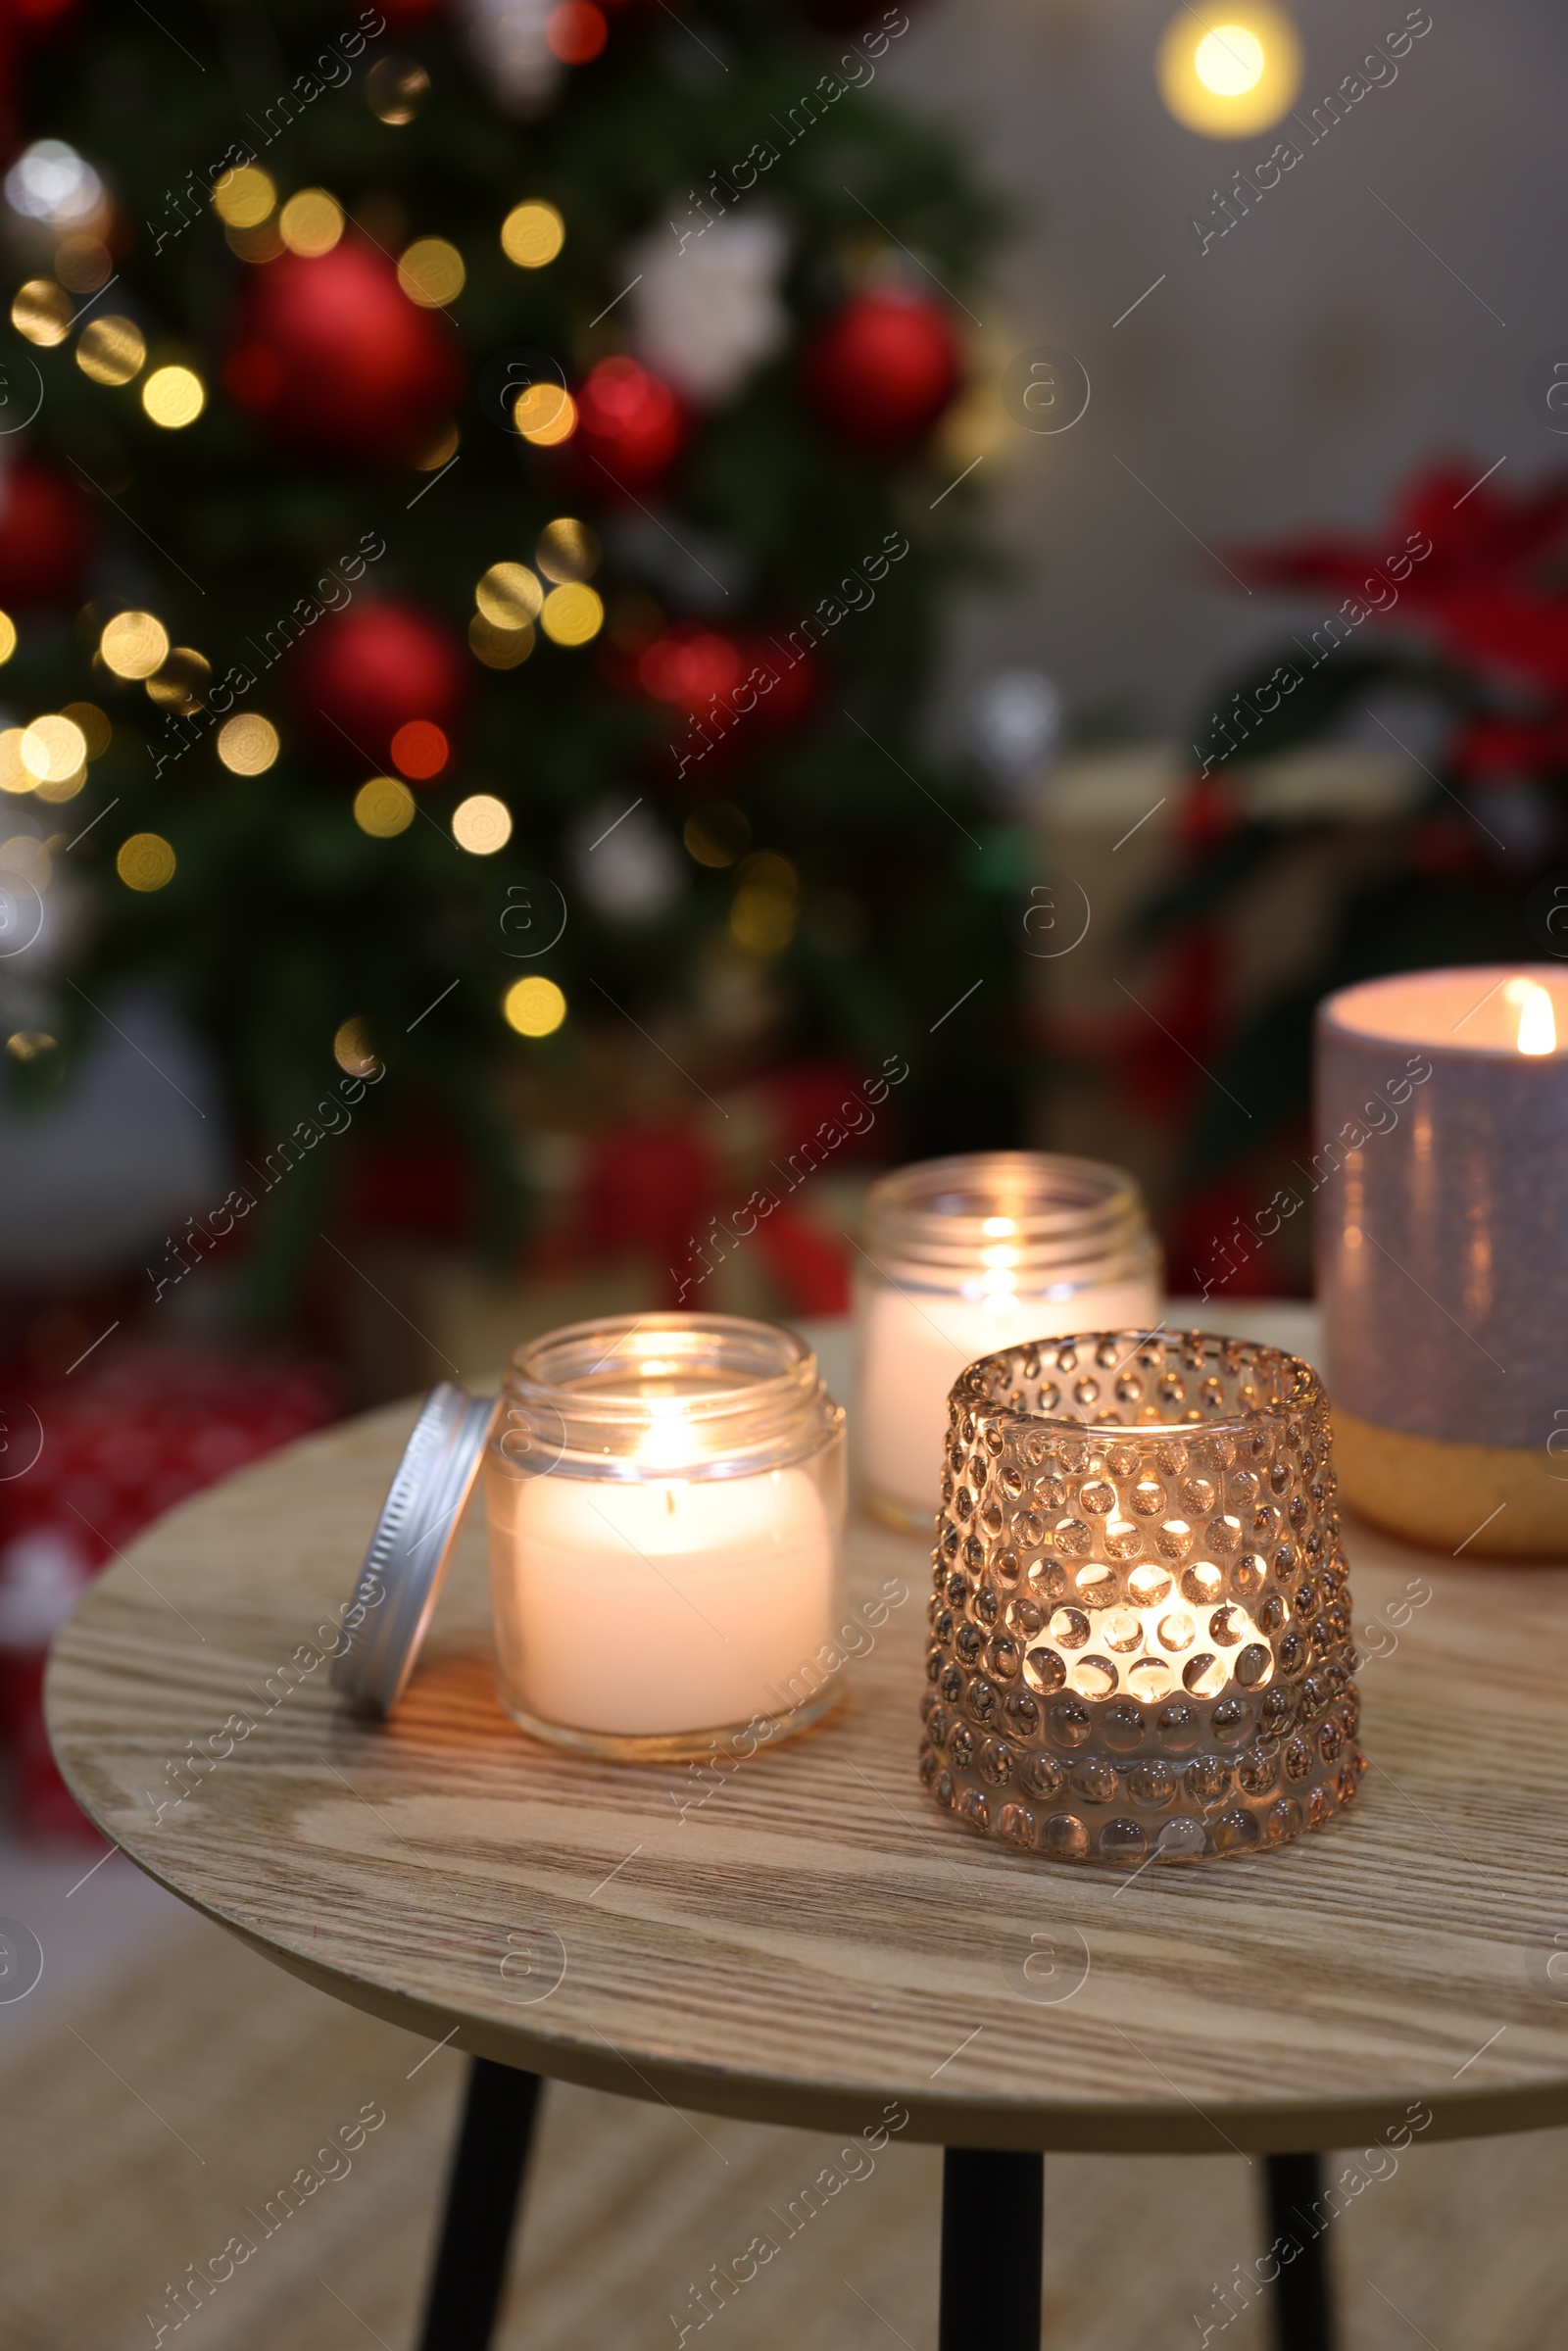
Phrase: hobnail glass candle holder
x=1140 y=1628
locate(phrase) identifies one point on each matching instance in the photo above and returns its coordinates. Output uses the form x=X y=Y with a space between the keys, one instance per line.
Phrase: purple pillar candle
x=1443 y=1252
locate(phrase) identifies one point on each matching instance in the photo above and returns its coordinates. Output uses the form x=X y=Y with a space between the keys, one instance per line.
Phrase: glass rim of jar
x=1042 y=1209
x=1307 y=1392
x=581 y=1402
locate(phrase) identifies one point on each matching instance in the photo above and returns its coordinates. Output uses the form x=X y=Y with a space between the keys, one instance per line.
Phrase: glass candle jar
x=1140 y=1629
x=964 y=1256
x=666 y=1498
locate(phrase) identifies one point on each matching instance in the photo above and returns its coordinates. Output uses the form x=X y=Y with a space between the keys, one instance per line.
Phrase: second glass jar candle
x=964 y=1256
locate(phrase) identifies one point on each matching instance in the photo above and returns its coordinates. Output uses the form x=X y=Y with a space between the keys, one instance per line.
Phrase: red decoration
x=630 y=428
x=44 y=535
x=362 y=677
x=880 y=370
x=575 y=32
x=123 y=1446
x=420 y=751
x=336 y=360
x=726 y=692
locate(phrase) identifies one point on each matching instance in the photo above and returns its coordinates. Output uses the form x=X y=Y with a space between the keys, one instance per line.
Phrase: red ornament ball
x=45 y=536
x=376 y=672
x=336 y=360
x=726 y=693
x=630 y=423
x=880 y=370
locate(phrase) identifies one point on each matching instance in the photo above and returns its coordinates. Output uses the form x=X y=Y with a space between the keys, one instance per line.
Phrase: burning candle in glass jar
x=666 y=1502
x=967 y=1256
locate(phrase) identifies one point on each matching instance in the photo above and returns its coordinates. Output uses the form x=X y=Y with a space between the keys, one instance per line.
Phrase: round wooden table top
x=802 y=1936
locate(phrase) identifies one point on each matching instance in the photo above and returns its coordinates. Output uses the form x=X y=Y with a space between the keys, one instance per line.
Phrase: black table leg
x=1299 y=2214
x=487 y=2168
x=993 y=2228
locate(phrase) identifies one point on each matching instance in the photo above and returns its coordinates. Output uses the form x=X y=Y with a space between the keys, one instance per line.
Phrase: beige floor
x=154 y=2120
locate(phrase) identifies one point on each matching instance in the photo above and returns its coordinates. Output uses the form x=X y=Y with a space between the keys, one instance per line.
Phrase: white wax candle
x=661 y=1606
x=913 y=1346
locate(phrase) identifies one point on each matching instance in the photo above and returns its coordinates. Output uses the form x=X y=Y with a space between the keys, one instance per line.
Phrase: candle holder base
x=736 y=1741
x=1486 y=1501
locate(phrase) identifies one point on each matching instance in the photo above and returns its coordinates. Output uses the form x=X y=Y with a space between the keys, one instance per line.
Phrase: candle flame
x=1538 y=1027
x=999 y=1228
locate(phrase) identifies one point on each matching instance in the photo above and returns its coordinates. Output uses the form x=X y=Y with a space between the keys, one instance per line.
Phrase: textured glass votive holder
x=1140 y=1626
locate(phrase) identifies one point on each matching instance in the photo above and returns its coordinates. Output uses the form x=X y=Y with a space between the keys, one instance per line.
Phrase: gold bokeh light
x=42 y=311
x=395 y=89
x=7 y=637
x=481 y=824
x=133 y=645
x=112 y=350
x=510 y=596
x=353 y=1050
x=145 y=862
x=53 y=749
x=180 y=681
x=568 y=550
x=174 y=397
x=245 y=198
x=534 y=1007
x=310 y=223
x=383 y=807
x=1227 y=73
x=533 y=234
x=545 y=414
x=572 y=615
x=432 y=272
x=96 y=731
x=247 y=745
x=500 y=648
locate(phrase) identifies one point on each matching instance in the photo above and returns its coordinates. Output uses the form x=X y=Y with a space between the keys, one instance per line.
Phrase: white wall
x=1289 y=377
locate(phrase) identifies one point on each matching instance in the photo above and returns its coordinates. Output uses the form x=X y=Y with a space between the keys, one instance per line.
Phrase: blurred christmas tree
x=479 y=520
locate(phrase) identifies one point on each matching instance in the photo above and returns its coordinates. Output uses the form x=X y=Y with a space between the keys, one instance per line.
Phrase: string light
x=441 y=450
x=174 y=397
x=419 y=749
x=510 y=596
x=395 y=89
x=96 y=731
x=533 y=234
x=572 y=615
x=717 y=833
x=14 y=777
x=568 y=550
x=42 y=311
x=25 y=1044
x=500 y=648
x=7 y=638
x=310 y=223
x=481 y=824
x=245 y=198
x=133 y=645
x=353 y=1050
x=180 y=681
x=145 y=862
x=27 y=858
x=53 y=749
x=1229 y=72
x=247 y=745
x=763 y=913
x=383 y=807
x=545 y=414
x=83 y=264
x=534 y=1007
x=432 y=272
x=112 y=350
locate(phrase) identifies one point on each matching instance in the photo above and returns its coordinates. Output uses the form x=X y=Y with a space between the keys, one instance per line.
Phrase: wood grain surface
x=811 y=1942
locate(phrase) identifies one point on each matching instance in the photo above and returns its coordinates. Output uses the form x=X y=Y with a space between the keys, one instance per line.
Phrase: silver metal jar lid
x=396 y=1590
